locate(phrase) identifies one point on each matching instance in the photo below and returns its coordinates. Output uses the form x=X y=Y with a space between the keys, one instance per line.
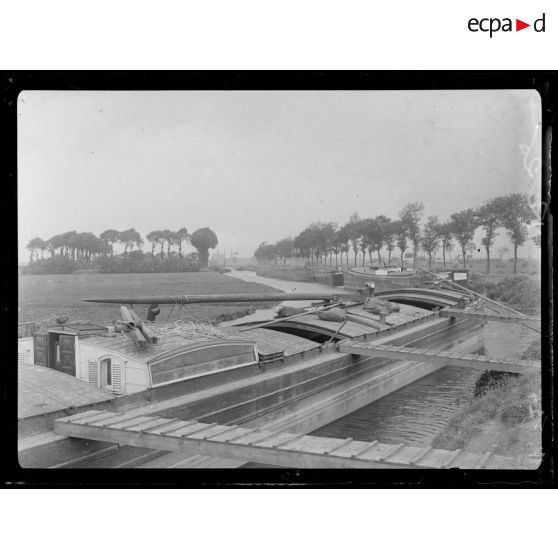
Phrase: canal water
x=417 y=413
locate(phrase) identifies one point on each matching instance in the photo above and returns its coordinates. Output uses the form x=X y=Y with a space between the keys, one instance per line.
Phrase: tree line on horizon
x=363 y=236
x=72 y=249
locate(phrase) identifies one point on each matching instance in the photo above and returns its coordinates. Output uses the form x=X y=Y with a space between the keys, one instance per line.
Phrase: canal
x=417 y=413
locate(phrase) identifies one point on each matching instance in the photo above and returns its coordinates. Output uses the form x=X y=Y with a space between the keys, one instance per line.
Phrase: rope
x=192 y=330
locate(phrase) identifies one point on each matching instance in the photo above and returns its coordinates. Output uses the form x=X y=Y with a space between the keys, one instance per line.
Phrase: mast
x=216 y=298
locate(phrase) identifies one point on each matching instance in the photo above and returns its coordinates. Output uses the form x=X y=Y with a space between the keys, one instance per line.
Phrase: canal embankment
x=521 y=292
x=503 y=415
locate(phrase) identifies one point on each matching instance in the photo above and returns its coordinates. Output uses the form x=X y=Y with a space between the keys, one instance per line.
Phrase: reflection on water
x=417 y=413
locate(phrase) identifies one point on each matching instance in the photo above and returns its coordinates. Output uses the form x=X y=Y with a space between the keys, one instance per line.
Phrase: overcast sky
x=259 y=166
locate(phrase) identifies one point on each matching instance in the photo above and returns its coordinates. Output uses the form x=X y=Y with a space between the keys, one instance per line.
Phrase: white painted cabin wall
x=136 y=373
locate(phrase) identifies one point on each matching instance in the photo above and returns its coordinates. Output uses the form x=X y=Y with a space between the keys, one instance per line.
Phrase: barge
x=290 y=375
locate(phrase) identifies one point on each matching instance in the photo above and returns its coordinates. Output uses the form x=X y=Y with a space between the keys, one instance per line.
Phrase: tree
x=181 y=236
x=203 y=240
x=489 y=217
x=41 y=246
x=327 y=238
x=342 y=239
x=365 y=227
x=285 y=249
x=124 y=237
x=302 y=244
x=69 y=244
x=431 y=237
x=445 y=234
x=168 y=237
x=110 y=236
x=130 y=238
x=87 y=245
x=35 y=244
x=411 y=215
x=515 y=218
x=400 y=231
x=377 y=232
x=55 y=243
x=463 y=226
x=353 y=231
x=155 y=238
x=136 y=239
x=390 y=239
x=265 y=252
x=315 y=241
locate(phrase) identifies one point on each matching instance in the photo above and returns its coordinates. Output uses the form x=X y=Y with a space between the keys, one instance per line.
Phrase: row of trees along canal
x=71 y=250
x=318 y=241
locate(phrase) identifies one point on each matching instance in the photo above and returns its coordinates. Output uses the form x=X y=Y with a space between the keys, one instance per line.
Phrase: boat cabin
x=178 y=352
x=384 y=270
x=118 y=365
x=56 y=347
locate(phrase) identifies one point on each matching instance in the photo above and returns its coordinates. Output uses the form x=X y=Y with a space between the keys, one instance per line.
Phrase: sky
x=262 y=165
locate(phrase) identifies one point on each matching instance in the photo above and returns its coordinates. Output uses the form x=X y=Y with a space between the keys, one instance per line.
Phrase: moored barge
x=293 y=374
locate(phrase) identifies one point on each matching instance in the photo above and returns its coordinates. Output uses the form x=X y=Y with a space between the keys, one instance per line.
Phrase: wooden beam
x=479 y=362
x=455 y=313
x=273 y=448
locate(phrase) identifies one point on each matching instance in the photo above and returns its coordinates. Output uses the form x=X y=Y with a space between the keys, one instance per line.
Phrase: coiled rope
x=192 y=330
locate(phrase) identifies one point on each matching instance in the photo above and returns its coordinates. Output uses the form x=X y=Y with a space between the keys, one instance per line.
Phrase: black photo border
x=12 y=83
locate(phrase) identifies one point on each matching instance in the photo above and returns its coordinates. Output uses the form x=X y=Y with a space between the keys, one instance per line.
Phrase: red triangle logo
x=519 y=25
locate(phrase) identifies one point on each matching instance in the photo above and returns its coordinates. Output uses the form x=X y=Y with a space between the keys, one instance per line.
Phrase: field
x=44 y=296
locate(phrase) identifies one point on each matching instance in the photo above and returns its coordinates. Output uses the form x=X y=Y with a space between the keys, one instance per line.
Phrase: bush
x=57 y=264
x=521 y=291
x=490 y=380
x=516 y=414
x=138 y=262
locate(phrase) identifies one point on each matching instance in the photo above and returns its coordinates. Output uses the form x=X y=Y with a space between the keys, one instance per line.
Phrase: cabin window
x=106 y=373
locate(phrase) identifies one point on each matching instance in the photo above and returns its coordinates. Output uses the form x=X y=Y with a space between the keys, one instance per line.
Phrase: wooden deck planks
x=478 y=362
x=273 y=448
x=457 y=313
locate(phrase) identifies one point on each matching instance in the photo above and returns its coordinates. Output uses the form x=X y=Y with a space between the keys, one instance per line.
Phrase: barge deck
x=300 y=382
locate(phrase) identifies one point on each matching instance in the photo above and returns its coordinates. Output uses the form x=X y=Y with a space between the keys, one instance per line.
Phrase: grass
x=513 y=404
x=44 y=296
x=519 y=291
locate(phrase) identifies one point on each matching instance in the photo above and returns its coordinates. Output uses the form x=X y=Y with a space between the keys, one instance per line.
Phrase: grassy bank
x=522 y=292
x=44 y=296
x=503 y=417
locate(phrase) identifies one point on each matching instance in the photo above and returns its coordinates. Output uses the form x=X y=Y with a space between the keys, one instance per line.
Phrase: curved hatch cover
x=215 y=355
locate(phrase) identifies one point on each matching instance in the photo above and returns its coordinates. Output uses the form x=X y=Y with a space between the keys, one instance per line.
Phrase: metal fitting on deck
x=370 y=287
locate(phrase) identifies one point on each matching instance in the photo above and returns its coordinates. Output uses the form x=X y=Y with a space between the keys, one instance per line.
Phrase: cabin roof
x=44 y=390
x=121 y=343
x=267 y=342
